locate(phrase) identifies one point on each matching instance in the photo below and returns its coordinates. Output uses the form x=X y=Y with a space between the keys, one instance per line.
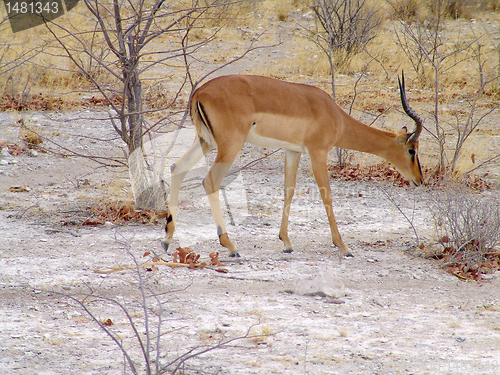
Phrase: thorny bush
x=468 y=225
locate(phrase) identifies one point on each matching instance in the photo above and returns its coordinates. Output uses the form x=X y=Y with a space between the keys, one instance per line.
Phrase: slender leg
x=292 y=159
x=320 y=171
x=179 y=171
x=212 y=183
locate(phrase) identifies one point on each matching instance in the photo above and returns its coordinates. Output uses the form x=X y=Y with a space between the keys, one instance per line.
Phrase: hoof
x=164 y=245
x=348 y=255
x=235 y=255
x=288 y=251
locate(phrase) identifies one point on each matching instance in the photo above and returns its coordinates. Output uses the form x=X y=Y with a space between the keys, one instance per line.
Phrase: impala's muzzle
x=420 y=177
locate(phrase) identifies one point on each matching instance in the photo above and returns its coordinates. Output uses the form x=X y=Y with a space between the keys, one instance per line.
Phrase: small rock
x=383 y=273
x=335 y=301
x=325 y=283
x=489 y=276
x=308 y=16
x=33 y=153
x=5 y=152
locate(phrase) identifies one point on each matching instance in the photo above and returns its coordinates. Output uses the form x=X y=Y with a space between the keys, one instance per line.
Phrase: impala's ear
x=402 y=138
x=404 y=130
x=409 y=136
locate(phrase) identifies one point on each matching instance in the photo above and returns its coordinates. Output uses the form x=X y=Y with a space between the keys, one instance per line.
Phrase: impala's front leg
x=292 y=159
x=212 y=185
x=320 y=171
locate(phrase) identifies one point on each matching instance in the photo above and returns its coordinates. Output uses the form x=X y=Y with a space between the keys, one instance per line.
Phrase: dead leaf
x=444 y=239
x=183 y=253
x=107 y=323
x=214 y=259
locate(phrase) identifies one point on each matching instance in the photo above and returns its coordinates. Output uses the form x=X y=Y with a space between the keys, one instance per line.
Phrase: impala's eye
x=412 y=153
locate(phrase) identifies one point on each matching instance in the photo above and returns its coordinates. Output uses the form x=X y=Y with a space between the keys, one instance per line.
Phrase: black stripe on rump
x=204 y=117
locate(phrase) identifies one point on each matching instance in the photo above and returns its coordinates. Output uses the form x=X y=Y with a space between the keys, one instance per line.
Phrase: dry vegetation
x=32 y=63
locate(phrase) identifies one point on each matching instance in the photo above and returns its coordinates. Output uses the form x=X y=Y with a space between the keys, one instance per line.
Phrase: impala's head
x=408 y=164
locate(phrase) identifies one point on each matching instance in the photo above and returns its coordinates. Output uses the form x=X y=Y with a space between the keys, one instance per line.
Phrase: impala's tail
x=202 y=123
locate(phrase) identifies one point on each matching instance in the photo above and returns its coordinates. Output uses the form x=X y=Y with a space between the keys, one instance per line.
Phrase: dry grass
x=261 y=334
x=30 y=137
x=420 y=10
x=303 y=59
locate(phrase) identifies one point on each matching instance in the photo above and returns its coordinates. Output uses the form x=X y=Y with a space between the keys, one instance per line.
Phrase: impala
x=231 y=110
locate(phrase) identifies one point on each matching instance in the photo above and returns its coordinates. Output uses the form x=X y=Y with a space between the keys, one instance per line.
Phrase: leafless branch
x=398 y=207
x=429 y=47
x=146 y=329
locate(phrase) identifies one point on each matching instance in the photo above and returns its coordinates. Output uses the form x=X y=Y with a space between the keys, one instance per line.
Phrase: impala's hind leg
x=292 y=159
x=212 y=183
x=178 y=171
x=320 y=171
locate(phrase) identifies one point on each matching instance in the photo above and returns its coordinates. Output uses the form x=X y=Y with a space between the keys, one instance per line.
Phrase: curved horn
x=418 y=121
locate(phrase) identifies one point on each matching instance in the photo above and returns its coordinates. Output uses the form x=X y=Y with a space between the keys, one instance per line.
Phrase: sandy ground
x=401 y=313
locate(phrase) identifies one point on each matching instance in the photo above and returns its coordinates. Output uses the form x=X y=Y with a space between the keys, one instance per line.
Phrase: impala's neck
x=360 y=137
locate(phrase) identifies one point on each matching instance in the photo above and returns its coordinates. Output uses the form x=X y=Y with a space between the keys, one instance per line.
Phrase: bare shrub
x=143 y=337
x=437 y=51
x=343 y=29
x=468 y=226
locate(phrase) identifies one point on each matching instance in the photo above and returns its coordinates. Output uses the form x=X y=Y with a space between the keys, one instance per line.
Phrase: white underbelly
x=262 y=141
